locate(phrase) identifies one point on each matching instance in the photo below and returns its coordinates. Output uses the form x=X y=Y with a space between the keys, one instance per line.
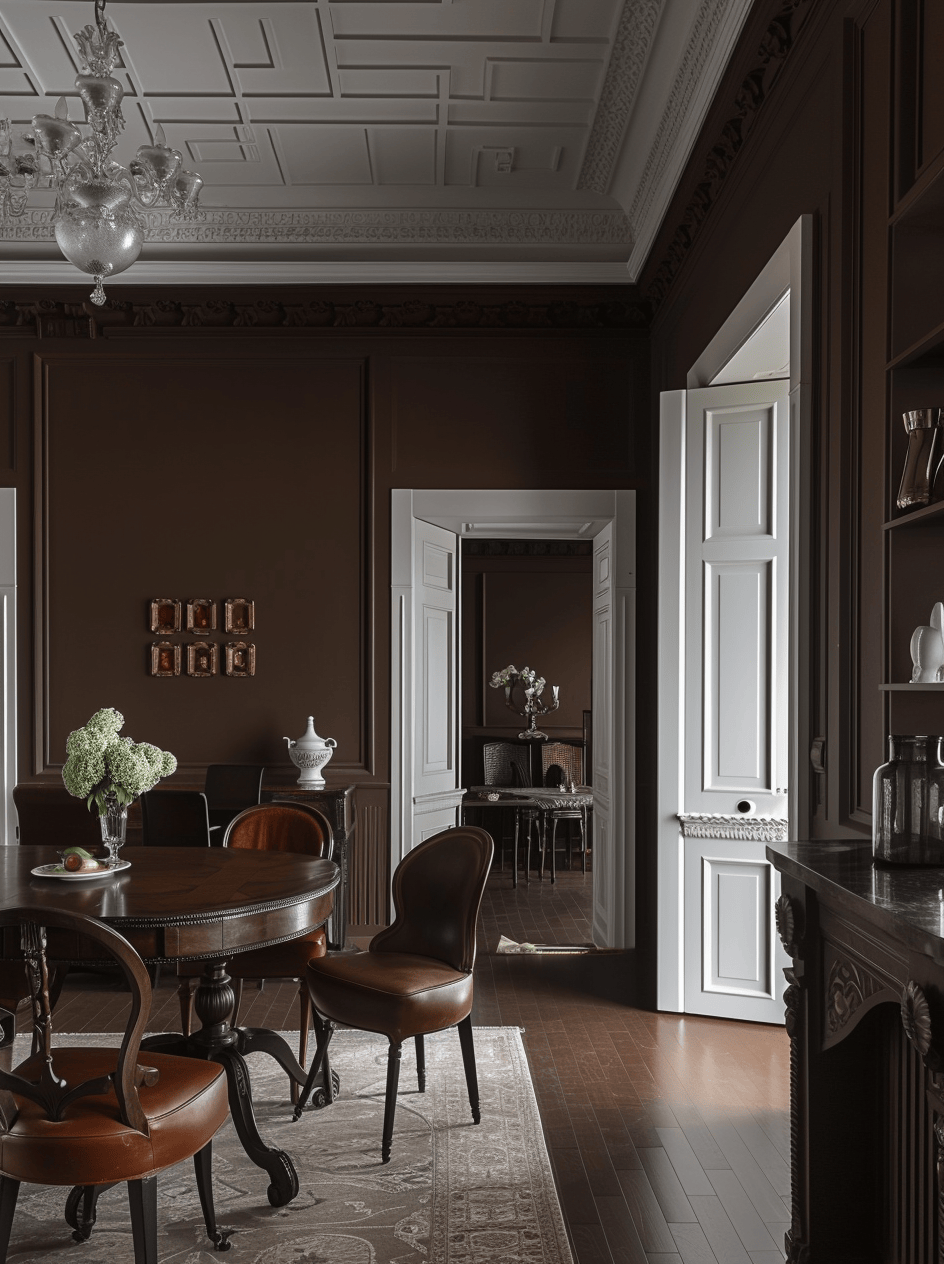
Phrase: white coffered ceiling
x=367 y=139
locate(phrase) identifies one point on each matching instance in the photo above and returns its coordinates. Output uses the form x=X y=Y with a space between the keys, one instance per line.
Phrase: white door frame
x=791 y=268
x=535 y=514
x=7 y=664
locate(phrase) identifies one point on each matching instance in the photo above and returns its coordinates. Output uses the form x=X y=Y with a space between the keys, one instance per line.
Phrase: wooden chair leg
x=468 y=1061
x=304 y=1023
x=8 y=1192
x=203 y=1167
x=321 y=1052
x=142 y=1197
x=185 y=1001
x=420 y=1063
x=390 y=1101
x=514 y=854
x=553 y=849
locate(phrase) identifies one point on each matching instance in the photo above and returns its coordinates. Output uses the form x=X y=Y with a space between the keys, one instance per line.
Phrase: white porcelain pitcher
x=309 y=754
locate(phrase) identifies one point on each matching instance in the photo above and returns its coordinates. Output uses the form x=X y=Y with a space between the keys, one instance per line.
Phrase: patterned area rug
x=452 y=1193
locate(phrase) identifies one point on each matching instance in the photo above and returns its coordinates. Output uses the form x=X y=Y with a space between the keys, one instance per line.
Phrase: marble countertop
x=906 y=901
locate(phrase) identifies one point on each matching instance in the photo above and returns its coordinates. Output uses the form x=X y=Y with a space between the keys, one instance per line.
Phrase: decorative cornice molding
x=701 y=42
x=772 y=52
x=424 y=226
x=628 y=58
x=51 y=318
x=756 y=829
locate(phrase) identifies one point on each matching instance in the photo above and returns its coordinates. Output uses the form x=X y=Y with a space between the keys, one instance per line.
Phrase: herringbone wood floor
x=668 y=1135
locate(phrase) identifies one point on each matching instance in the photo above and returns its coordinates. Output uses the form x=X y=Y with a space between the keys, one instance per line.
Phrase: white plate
x=57 y=871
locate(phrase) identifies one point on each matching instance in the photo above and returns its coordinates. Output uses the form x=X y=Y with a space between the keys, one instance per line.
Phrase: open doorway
x=427 y=783
x=528 y=603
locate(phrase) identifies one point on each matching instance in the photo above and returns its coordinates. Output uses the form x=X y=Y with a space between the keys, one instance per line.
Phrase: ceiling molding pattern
x=631 y=46
x=668 y=148
x=419 y=226
x=772 y=52
x=51 y=318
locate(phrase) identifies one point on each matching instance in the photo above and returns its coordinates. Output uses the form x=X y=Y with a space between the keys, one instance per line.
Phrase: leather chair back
x=506 y=764
x=51 y=1094
x=282 y=827
x=427 y=924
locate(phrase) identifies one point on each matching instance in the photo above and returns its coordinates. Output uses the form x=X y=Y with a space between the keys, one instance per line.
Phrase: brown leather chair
x=272 y=827
x=93 y=1116
x=416 y=976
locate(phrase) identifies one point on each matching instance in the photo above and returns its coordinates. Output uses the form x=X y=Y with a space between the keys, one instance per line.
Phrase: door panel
x=604 y=913
x=733 y=959
x=736 y=634
x=435 y=680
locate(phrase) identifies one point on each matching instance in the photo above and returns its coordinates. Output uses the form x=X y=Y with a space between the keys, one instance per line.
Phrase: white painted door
x=435 y=680
x=735 y=699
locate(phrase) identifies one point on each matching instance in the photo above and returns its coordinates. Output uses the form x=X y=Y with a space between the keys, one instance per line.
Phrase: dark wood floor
x=668 y=1135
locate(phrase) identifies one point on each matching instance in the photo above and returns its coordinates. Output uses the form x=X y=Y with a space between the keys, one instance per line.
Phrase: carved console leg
x=788 y=914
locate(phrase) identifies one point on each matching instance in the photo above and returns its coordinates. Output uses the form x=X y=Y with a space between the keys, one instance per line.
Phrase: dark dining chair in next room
x=416 y=976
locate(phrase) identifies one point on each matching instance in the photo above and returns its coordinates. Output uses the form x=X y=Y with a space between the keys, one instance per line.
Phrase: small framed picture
x=201 y=615
x=239 y=659
x=165 y=615
x=239 y=615
x=203 y=658
x=165 y=658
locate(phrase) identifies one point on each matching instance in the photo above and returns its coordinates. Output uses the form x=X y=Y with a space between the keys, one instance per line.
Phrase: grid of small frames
x=202 y=657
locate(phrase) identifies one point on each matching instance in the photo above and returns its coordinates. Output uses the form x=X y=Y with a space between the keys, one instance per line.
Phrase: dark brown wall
x=246 y=445
x=785 y=138
x=534 y=611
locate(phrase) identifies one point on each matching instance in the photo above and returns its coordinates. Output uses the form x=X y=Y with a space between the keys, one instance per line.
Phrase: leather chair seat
x=398 y=994
x=91 y=1145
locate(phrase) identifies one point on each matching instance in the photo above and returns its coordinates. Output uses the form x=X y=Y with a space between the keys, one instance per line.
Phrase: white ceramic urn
x=309 y=754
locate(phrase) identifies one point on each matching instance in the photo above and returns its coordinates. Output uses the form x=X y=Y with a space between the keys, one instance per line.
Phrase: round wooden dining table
x=186 y=903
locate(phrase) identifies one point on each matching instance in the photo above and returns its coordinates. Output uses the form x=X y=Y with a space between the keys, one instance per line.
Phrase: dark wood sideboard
x=865 y=1019
x=337 y=802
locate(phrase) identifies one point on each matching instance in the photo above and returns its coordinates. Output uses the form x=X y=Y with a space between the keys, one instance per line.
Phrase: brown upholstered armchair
x=298 y=827
x=416 y=977
x=92 y=1116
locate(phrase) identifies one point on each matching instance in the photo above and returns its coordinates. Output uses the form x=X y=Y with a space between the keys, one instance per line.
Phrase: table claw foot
x=284 y=1186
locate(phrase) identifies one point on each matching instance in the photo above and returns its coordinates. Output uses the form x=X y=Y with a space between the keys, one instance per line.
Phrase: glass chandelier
x=97 y=220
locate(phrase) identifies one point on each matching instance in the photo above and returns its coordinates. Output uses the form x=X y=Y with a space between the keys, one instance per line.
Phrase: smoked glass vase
x=923 y=457
x=907 y=803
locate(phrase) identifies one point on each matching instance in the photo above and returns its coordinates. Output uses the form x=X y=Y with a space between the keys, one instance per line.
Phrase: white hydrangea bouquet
x=533 y=686
x=109 y=771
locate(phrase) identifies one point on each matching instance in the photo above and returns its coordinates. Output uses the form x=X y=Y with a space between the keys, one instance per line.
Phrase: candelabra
x=532 y=686
x=97 y=222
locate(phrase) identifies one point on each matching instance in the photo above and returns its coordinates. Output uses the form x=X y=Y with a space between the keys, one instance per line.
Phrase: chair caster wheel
x=319 y=1099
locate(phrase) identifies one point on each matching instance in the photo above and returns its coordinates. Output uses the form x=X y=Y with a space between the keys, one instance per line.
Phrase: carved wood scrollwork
x=916 y=1022
x=939 y=1166
x=847 y=986
x=787 y=917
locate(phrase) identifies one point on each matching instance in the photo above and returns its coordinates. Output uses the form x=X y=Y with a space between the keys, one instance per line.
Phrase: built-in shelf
x=928 y=348
x=916 y=516
x=935 y=688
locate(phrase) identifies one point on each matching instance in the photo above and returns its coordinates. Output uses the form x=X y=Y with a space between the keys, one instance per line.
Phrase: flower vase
x=114 y=826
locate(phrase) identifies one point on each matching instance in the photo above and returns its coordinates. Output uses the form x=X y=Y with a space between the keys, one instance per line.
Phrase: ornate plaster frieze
x=351 y=227
x=628 y=57
x=754 y=829
x=709 y=19
x=52 y=318
x=772 y=52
